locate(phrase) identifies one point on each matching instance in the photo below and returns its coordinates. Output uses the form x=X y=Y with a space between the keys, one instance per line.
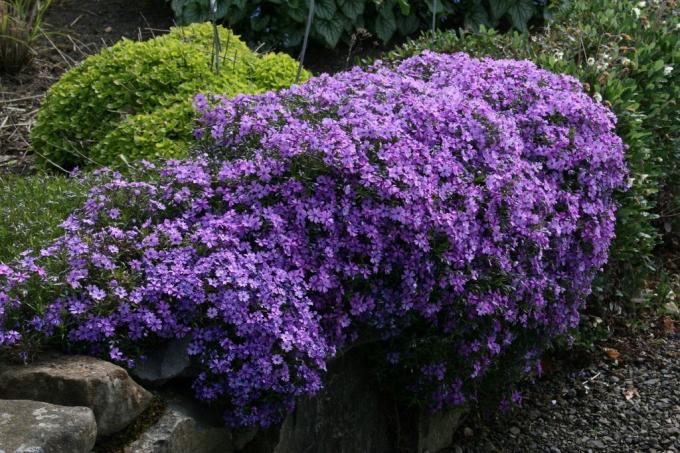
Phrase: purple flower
x=457 y=209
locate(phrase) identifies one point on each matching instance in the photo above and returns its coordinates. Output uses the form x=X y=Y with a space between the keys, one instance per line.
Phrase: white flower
x=668 y=69
x=597 y=97
x=559 y=54
x=625 y=61
x=637 y=12
x=590 y=61
x=641 y=4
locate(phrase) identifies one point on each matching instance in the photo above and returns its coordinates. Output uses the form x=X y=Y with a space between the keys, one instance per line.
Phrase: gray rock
x=165 y=363
x=186 y=426
x=37 y=427
x=345 y=417
x=436 y=431
x=113 y=396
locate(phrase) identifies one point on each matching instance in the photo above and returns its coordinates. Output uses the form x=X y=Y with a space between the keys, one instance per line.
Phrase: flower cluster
x=452 y=207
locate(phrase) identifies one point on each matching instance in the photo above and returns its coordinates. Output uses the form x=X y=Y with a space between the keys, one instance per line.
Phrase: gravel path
x=620 y=403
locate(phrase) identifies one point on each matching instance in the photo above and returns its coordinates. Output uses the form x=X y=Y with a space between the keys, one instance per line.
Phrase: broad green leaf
x=520 y=14
x=325 y=9
x=351 y=8
x=195 y=11
x=259 y=23
x=477 y=16
x=404 y=6
x=407 y=24
x=297 y=14
x=329 y=29
x=499 y=8
x=293 y=38
x=385 y=24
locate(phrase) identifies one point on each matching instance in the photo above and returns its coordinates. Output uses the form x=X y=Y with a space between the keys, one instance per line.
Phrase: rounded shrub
x=455 y=210
x=133 y=100
x=628 y=57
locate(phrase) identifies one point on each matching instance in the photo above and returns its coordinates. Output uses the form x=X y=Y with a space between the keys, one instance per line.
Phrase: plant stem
x=310 y=16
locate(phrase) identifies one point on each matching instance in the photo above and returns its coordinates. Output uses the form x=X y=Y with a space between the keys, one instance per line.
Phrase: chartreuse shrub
x=627 y=55
x=457 y=209
x=282 y=22
x=133 y=100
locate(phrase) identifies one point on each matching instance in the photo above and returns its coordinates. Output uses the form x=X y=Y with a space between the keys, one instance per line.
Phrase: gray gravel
x=631 y=404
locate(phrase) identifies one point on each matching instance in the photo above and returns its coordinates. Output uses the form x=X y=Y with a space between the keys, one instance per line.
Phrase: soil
x=75 y=29
x=72 y=30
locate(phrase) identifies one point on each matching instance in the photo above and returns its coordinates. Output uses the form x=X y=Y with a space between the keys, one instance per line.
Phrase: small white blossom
x=668 y=69
x=641 y=4
x=590 y=61
x=597 y=97
x=637 y=12
x=625 y=61
x=559 y=54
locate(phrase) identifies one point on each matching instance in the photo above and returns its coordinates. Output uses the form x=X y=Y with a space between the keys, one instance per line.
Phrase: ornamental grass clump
x=453 y=211
x=20 y=24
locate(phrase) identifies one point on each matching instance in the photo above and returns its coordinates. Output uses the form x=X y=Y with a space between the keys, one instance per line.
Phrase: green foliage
x=282 y=22
x=20 y=22
x=31 y=209
x=627 y=54
x=134 y=100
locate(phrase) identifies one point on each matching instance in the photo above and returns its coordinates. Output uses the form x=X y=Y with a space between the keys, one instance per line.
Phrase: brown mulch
x=72 y=30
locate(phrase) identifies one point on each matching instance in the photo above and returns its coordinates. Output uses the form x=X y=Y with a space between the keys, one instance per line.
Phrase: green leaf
x=329 y=29
x=408 y=24
x=477 y=16
x=297 y=14
x=177 y=6
x=259 y=23
x=499 y=8
x=521 y=13
x=293 y=38
x=195 y=11
x=240 y=4
x=325 y=9
x=351 y=8
x=385 y=25
x=404 y=6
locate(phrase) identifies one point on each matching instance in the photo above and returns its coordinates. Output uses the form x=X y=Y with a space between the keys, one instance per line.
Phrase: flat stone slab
x=107 y=389
x=38 y=427
x=186 y=426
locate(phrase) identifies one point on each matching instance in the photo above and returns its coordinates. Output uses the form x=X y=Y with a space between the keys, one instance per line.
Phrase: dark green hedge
x=281 y=23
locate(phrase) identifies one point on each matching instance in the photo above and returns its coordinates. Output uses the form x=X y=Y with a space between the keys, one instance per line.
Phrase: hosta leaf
x=297 y=14
x=520 y=14
x=259 y=23
x=325 y=9
x=385 y=24
x=404 y=6
x=351 y=8
x=476 y=16
x=329 y=29
x=499 y=8
x=407 y=24
x=293 y=38
x=195 y=11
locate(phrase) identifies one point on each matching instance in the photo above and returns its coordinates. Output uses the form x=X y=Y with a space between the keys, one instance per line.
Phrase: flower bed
x=457 y=209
